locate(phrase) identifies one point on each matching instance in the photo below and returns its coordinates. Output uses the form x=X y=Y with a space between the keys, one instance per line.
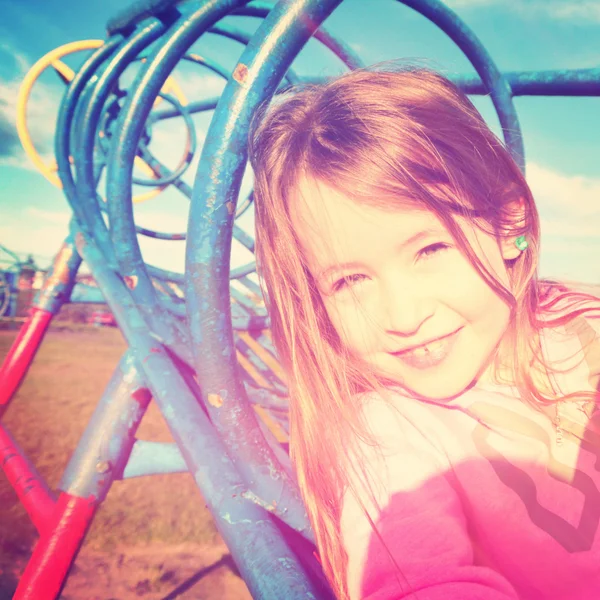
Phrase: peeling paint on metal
x=215 y=400
x=131 y=281
x=60 y=269
x=240 y=73
x=79 y=241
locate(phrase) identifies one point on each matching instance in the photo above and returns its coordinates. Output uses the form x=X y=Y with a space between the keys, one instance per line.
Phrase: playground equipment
x=206 y=360
x=11 y=269
x=17 y=285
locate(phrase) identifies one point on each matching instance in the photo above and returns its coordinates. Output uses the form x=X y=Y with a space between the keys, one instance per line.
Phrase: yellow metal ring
x=52 y=59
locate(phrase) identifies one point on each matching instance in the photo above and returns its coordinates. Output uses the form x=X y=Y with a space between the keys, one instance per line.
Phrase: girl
x=441 y=396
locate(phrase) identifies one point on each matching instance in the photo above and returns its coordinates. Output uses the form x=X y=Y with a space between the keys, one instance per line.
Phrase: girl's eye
x=432 y=249
x=347 y=281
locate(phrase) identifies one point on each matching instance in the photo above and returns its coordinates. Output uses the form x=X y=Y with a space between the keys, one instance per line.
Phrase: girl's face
x=398 y=291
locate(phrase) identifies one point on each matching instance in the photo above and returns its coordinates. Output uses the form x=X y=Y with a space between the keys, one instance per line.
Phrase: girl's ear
x=509 y=248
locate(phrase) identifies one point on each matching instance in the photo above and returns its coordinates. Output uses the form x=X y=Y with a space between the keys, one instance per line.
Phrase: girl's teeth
x=424 y=350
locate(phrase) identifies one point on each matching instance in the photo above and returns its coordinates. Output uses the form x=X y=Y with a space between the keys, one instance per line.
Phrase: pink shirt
x=477 y=497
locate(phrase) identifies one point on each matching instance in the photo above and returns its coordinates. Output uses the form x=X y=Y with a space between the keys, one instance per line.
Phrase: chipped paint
x=61 y=269
x=131 y=281
x=252 y=497
x=80 y=242
x=103 y=466
x=229 y=519
x=215 y=400
x=240 y=74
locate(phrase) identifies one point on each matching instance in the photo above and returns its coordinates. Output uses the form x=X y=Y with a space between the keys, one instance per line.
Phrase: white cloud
x=569 y=210
x=41 y=238
x=197 y=82
x=567 y=10
x=42 y=111
x=19 y=59
x=574 y=195
x=56 y=218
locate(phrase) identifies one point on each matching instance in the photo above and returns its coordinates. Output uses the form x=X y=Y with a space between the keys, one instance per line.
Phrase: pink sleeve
x=421 y=547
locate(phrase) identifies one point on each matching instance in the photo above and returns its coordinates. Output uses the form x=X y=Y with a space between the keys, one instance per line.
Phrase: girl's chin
x=432 y=389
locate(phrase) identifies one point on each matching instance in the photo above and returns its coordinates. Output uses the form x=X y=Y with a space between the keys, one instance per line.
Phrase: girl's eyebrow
x=413 y=239
x=339 y=267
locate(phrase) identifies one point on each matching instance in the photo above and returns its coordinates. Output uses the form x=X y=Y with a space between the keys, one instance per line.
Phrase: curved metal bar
x=278 y=40
x=165 y=275
x=94 y=464
x=60 y=279
x=188 y=153
x=243 y=270
x=192 y=107
x=180 y=36
x=84 y=164
x=165 y=327
x=171 y=333
x=208 y=63
x=266 y=563
x=258 y=8
x=138 y=12
x=93 y=221
x=449 y=22
x=237 y=35
x=159 y=235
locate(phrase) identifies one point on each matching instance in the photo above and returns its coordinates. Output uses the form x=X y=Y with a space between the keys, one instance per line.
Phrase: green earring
x=521 y=243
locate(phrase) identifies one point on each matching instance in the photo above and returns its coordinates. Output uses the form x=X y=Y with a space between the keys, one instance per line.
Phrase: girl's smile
x=429 y=354
x=399 y=292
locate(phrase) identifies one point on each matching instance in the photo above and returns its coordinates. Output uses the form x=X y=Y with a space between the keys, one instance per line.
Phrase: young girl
x=441 y=396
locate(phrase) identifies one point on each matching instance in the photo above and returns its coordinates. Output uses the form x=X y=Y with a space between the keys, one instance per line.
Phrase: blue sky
x=562 y=135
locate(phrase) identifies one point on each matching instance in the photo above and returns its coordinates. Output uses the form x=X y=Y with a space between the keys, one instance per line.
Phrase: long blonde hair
x=378 y=136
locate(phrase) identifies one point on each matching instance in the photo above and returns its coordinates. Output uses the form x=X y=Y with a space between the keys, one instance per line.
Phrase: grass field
x=145 y=541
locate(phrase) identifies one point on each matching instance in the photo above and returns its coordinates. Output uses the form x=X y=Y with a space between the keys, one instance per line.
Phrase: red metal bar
x=56 y=550
x=21 y=354
x=27 y=482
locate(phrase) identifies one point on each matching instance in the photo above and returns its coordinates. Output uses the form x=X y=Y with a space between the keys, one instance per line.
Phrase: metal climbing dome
x=198 y=342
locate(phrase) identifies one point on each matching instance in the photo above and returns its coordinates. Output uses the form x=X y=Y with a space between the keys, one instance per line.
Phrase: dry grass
x=47 y=418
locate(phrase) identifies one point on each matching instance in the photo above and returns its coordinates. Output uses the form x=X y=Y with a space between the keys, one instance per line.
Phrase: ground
x=145 y=540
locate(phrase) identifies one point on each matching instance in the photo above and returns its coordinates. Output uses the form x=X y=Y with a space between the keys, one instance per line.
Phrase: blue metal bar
x=89 y=222
x=130 y=127
x=226 y=30
x=251 y=285
x=278 y=40
x=208 y=63
x=86 y=294
x=473 y=49
x=192 y=107
x=243 y=271
x=240 y=320
x=267 y=565
x=86 y=138
x=60 y=279
x=166 y=275
x=575 y=82
x=104 y=448
x=139 y=11
x=247 y=303
x=191 y=150
x=166 y=329
x=259 y=8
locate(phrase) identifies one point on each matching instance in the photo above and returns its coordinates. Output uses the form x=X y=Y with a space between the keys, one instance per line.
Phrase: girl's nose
x=405 y=308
